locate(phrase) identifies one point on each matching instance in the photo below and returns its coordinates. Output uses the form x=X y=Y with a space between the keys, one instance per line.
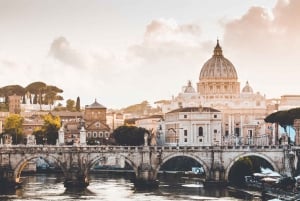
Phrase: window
x=185 y=139
x=200 y=140
x=250 y=133
x=237 y=131
x=215 y=131
x=185 y=132
x=101 y=134
x=215 y=116
x=200 y=131
x=185 y=116
x=95 y=134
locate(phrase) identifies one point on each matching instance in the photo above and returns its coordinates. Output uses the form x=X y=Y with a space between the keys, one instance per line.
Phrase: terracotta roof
x=95 y=105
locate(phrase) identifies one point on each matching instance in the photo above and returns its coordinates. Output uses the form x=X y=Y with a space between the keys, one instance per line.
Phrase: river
x=111 y=187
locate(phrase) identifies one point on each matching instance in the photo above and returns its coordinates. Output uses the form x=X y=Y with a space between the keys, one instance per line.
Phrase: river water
x=111 y=187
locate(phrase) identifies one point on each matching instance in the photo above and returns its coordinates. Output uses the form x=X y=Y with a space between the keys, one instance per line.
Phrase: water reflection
x=108 y=187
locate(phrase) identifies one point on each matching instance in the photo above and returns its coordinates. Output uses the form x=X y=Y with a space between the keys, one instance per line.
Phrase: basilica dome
x=189 y=88
x=247 y=88
x=218 y=67
x=218 y=78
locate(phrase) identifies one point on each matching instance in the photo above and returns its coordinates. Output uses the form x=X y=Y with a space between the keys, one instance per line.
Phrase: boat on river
x=273 y=185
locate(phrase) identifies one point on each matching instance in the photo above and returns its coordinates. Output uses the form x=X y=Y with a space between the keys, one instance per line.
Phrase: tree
x=11 y=90
x=13 y=126
x=39 y=135
x=37 y=88
x=51 y=127
x=78 y=104
x=51 y=94
x=284 y=118
x=70 y=104
x=129 y=135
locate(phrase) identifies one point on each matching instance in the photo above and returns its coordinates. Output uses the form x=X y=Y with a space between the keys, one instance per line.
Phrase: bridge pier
x=216 y=176
x=146 y=177
x=76 y=178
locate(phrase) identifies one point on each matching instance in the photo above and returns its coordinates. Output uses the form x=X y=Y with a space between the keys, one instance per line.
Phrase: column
x=241 y=127
x=229 y=124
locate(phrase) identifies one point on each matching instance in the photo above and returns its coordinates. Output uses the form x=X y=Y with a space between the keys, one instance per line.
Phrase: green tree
x=78 y=104
x=38 y=89
x=51 y=94
x=13 y=126
x=129 y=135
x=39 y=135
x=51 y=127
x=70 y=104
x=11 y=90
x=284 y=118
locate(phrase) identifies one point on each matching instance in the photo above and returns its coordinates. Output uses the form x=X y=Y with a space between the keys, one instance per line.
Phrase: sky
x=122 y=52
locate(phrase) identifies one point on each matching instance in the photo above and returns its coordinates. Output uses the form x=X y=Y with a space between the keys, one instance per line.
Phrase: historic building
x=243 y=110
x=90 y=127
x=197 y=126
x=95 y=123
x=114 y=119
x=14 y=104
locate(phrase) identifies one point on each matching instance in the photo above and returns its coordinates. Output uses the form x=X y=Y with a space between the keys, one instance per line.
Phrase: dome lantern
x=218 y=50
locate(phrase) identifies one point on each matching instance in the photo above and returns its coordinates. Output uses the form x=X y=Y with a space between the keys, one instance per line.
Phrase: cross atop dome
x=218 y=49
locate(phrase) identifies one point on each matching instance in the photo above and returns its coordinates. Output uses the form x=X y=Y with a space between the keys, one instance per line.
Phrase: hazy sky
x=122 y=52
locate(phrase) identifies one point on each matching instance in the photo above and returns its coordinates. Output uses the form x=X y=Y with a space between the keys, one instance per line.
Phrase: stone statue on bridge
x=146 y=136
x=153 y=140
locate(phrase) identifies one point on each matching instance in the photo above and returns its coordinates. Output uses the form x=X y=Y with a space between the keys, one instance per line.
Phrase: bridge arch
x=97 y=158
x=195 y=157
x=21 y=164
x=269 y=160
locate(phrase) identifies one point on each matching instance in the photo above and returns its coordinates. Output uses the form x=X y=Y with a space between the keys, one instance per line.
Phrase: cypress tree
x=78 y=104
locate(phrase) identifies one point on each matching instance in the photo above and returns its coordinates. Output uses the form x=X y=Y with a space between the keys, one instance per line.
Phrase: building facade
x=14 y=104
x=193 y=126
x=243 y=110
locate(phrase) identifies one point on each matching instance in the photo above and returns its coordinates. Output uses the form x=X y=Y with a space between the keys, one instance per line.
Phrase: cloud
x=166 y=38
x=265 y=46
x=62 y=51
x=8 y=63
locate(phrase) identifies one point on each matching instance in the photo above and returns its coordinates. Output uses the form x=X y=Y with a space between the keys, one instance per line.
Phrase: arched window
x=200 y=131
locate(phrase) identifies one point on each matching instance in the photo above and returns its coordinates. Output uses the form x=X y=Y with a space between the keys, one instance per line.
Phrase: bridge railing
x=108 y=148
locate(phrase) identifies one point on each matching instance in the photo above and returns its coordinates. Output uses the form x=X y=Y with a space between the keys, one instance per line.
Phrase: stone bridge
x=76 y=161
